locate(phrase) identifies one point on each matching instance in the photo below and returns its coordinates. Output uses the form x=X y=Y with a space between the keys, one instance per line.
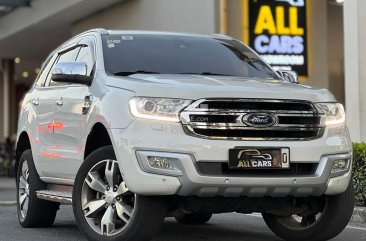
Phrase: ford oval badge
x=259 y=120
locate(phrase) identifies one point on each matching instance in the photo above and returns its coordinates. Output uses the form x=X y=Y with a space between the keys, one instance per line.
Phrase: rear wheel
x=194 y=218
x=104 y=207
x=32 y=212
x=324 y=225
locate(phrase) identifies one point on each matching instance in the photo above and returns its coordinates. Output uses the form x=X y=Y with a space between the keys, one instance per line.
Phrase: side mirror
x=289 y=76
x=71 y=72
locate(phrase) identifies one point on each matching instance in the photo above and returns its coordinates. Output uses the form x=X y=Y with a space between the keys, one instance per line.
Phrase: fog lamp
x=160 y=162
x=340 y=165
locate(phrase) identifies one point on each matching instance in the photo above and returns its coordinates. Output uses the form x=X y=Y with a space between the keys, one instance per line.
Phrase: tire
x=141 y=216
x=194 y=218
x=32 y=212
x=331 y=222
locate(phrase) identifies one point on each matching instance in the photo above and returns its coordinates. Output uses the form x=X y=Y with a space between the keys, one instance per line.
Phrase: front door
x=71 y=117
x=55 y=160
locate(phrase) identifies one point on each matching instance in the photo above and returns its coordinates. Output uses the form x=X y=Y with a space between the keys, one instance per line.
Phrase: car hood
x=197 y=86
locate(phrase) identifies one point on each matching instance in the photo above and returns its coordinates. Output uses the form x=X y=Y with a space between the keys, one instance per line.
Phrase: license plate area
x=259 y=158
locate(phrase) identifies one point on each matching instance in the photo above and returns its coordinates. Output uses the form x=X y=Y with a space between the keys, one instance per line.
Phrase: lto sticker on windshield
x=111 y=42
x=127 y=37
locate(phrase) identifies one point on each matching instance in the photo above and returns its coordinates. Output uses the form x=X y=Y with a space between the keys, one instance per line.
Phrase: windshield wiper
x=127 y=73
x=208 y=73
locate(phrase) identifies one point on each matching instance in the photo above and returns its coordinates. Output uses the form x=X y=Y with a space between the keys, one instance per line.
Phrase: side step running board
x=55 y=196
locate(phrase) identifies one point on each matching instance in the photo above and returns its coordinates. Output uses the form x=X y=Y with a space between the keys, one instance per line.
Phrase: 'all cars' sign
x=276 y=29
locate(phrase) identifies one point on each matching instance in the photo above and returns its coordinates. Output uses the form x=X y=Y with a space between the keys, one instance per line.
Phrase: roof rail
x=94 y=30
x=222 y=36
x=98 y=30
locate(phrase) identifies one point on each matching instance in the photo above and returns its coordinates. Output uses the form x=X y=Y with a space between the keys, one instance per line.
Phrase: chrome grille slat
x=227 y=111
x=276 y=128
x=227 y=123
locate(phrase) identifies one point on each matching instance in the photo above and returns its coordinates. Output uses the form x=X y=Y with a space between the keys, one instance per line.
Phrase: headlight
x=334 y=113
x=157 y=108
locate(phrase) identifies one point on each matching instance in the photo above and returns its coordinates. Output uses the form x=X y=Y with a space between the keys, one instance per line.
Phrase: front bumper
x=143 y=138
x=192 y=183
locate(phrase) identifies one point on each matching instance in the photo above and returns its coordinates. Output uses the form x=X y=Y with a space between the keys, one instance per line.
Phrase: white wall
x=166 y=15
x=355 y=62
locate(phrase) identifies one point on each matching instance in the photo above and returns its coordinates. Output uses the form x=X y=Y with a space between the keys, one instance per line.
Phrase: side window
x=67 y=56
x=42 y=77
x=86 y=55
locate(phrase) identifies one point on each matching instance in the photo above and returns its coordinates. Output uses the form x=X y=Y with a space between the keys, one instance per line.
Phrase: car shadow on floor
x=213 y=231
x=218 y=229
x=172 y=230
x=233 y=227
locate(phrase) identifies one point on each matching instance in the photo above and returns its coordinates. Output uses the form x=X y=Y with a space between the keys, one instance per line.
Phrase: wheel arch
x=22 y=144
x=97 y=137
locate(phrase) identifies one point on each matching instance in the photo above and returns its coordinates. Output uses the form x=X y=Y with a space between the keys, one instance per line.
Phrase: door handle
x=35 y=102
x=88 y=100
x=59 y=103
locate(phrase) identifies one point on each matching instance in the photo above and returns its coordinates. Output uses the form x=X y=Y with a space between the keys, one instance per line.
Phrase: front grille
x=222 y=169
x=257 y=105
x=227 y=119
x=245 y=133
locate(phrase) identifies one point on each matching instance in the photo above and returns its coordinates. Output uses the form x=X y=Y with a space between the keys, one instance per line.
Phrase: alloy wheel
x=24 y=190
x=108 y=205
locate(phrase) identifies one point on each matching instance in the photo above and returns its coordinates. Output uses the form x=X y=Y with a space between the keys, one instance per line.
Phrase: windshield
x=174 y=54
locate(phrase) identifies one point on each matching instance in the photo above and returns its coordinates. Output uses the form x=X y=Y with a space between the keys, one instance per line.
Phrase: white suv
x=131 y=127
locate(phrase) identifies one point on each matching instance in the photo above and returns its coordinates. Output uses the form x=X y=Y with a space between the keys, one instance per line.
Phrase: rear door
x=72 y=116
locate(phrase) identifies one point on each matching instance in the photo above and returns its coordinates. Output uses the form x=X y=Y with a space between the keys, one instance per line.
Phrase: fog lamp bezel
x=174 y=160
x=339 y=172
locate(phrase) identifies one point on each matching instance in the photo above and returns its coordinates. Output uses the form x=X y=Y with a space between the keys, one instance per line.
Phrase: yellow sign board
x=277 y=30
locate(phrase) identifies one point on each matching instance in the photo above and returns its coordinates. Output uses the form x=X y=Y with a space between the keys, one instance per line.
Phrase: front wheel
x=104 y=207
x=325 y=225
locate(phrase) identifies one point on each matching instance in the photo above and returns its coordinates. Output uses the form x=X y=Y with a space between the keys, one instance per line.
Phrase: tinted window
x=85 y=55
x=67 y=56
x=168 y=54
